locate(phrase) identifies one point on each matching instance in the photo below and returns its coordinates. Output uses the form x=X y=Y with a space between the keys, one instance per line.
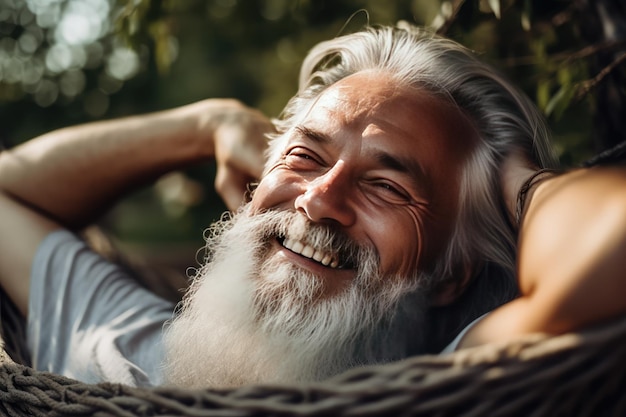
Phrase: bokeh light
x=123 y=63
x=48 y=48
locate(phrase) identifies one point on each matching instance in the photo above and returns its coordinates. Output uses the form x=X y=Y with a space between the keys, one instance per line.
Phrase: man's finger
x=231 y=185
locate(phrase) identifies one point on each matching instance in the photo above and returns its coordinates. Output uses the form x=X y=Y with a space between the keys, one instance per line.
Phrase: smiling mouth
x=320 y=256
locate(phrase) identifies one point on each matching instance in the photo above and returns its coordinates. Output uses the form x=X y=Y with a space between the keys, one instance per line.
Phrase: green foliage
x=154 y=54
x=146 y=22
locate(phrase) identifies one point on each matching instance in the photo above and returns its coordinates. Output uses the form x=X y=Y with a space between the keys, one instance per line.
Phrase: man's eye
x=391 y=192
x=300 y=157
x=388 y=187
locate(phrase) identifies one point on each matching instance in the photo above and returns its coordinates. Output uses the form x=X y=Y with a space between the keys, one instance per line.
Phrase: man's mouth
x=318 y=255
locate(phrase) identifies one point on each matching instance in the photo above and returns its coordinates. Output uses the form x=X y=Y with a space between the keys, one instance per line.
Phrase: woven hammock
x=578 y=374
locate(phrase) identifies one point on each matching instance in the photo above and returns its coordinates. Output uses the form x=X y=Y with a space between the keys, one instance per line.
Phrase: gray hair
x=506 y=120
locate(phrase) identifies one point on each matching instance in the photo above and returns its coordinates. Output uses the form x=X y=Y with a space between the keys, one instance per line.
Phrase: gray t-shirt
x=89 y=320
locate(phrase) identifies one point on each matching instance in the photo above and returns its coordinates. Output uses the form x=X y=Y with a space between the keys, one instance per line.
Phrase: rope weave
x=571 y=375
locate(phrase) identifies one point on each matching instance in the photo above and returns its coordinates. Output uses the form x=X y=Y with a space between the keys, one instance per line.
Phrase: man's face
x=379 y=162
x=321 y=271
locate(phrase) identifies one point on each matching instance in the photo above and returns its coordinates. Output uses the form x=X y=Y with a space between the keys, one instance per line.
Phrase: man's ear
x=449 y=290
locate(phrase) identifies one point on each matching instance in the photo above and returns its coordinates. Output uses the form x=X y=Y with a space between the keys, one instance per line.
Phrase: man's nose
x=327 y=197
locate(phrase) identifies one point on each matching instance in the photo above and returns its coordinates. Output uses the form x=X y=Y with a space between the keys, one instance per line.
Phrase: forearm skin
x=74 y=174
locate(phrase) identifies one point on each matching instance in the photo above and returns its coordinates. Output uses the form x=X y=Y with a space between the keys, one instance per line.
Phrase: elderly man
x=384 y=223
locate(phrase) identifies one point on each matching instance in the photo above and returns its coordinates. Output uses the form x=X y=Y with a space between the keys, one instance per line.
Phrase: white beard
x=249 y=319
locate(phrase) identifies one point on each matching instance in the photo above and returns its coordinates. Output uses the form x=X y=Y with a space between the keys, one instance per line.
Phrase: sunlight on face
x=381 y=162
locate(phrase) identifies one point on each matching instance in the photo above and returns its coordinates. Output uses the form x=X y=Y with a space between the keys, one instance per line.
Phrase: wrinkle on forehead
x=364 y=93
x=377 y=97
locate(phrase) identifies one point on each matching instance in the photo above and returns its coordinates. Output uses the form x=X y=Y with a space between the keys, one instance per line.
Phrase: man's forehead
x=358 y=95
x=377 y=100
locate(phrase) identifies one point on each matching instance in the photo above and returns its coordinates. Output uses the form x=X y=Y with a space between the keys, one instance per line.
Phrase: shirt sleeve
x=89 y=320
x=453 y=346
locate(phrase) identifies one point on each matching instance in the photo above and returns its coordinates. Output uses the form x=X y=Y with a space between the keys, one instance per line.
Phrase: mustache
x=283 y=224
x=264 y=227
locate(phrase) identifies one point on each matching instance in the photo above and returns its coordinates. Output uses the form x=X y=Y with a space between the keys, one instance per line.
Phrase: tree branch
x=585 y=86
x=456 y=6
x=566 y=57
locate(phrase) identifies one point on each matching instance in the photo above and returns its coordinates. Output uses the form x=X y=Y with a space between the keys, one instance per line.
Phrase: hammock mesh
x=581 y=374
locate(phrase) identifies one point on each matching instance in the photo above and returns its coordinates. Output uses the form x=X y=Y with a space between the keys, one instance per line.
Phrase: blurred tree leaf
x=560 y=102
x=526 y=15
x=164 y=45
x=131 y=17
x=543 y=93
x=494 y=5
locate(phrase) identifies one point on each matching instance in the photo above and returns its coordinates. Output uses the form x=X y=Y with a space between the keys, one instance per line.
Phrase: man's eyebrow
x=312 y=134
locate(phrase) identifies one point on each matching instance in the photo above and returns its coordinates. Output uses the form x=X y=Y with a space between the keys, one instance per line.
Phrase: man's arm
x=21 y=232
x=69 y=177
x=73 y=175
x=572 y=258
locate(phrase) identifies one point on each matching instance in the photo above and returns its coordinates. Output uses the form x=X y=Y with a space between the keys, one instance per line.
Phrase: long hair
x=505 y=119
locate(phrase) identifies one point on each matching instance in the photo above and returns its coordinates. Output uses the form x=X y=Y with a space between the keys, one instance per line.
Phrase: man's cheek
x=278 y=189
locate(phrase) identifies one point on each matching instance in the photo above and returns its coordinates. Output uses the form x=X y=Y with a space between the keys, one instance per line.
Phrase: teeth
x=308 y=251
x=297 y=247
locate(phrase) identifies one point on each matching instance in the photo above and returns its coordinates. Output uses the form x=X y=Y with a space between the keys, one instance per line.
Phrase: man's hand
x=239 y=140
x=235 y=136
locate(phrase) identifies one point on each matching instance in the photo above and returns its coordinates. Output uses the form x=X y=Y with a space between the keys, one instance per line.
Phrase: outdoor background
x=64 y=62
